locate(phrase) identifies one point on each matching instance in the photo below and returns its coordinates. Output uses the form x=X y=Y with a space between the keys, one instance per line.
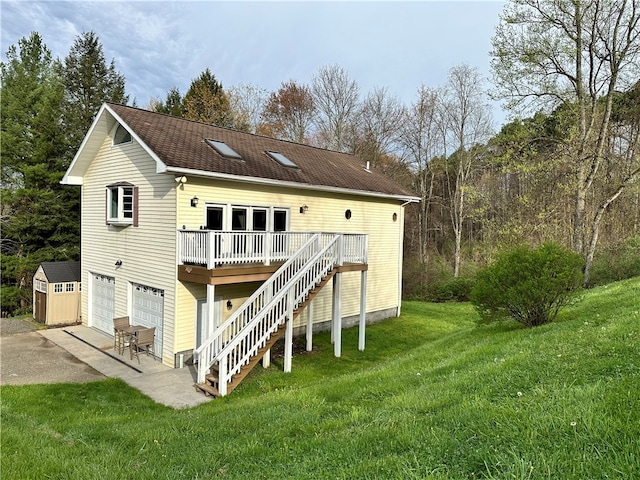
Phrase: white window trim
x=113 y=137
x=120 y=218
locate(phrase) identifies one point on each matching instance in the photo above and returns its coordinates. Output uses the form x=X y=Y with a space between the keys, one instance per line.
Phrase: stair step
x=212 y=379
x=208 y=390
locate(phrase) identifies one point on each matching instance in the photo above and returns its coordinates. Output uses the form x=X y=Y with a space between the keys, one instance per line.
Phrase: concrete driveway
x=53 y=356
x=27 y=357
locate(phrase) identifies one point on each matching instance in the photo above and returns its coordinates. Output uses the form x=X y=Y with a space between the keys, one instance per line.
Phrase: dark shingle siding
x=59 y=272
x=180 y=143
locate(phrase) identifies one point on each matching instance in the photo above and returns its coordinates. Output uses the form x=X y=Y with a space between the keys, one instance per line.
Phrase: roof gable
x=180 y=146
x=103 y=124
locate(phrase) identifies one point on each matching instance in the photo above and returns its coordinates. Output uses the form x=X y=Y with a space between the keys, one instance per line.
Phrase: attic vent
x=281 y=159
x=223 y=149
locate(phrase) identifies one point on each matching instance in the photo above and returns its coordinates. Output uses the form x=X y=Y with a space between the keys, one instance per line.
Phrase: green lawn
x=433 y=396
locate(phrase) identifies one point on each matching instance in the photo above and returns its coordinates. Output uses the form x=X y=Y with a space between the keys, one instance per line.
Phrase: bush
x=529 y=286
x=452 y=290
x=618 y=263
x=15 y=301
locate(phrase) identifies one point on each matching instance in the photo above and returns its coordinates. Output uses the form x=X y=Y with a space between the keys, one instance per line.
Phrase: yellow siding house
x=227 y=241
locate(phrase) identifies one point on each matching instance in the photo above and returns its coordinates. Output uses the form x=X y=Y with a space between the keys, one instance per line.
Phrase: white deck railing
x=249 y=328
x=213 y=248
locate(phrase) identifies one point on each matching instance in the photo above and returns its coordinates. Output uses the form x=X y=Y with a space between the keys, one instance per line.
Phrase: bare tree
x=336 y=98
x=288 y=114
x=422 y=141
x=247 y=103
x=466 y=123
x=571 y=52
x=380 y=122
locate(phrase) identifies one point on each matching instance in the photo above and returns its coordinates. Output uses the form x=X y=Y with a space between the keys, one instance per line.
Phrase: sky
x=398 y=45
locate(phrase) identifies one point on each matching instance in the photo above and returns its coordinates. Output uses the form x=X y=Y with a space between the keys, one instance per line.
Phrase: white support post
x=363 y=309
x=288 y=335
x=266 y=359
x=222 y=376
x=310 y=326
x=268 y=238
x=212 y=321
x=337 y=314
x=211 y=249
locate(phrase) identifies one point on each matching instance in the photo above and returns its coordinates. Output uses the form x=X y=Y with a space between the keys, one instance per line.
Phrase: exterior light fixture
x=229 y=305
x=181 y=179
x=194 y=202
x=118 y=263
x=304 y=208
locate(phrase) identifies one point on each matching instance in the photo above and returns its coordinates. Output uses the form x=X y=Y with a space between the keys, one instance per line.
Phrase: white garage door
x=148 y=307
x=103 y=295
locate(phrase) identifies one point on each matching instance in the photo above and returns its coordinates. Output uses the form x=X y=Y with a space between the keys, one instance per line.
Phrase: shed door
x=40 y=308
x=103 y=305
x=148 y=310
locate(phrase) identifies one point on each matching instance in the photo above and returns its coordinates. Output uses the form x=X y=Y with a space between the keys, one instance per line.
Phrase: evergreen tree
x=207 y=102
x=173 y=105
x=40 y=220
x=88 y=83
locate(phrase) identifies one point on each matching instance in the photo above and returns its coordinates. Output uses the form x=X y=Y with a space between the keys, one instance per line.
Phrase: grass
x=433 y=396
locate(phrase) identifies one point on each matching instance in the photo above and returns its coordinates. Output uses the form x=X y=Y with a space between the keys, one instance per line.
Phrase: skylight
x=281 y=159
x=223 y=149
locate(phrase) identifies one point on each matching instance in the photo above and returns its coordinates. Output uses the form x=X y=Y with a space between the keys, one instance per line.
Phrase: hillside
x=433 y=396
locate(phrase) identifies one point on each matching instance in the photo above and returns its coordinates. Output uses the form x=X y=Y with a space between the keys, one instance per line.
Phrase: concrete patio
x=169 y=386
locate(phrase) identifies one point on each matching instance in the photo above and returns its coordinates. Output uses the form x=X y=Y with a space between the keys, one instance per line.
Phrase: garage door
x=148 y=308
x=103 y=294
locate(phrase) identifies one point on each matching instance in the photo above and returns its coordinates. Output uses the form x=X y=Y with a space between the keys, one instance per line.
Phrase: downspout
x=400 y=255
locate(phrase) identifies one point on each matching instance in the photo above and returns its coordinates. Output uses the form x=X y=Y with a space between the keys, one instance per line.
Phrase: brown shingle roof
x=181 y=144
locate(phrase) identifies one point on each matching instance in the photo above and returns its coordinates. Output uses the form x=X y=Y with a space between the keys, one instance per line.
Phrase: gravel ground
x=12 y=326
x=27 y=357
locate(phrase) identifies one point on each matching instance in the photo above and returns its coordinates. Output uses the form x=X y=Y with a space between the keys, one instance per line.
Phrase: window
x=281 y=159
x=41 y=286
x=121 y=136
x=223 y=149
x=122 y=204
x=279 y=220
x=69 y=287
x=58 y=288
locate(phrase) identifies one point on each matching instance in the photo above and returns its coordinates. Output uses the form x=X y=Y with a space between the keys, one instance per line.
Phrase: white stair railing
x=206 y=353
x=245 y=344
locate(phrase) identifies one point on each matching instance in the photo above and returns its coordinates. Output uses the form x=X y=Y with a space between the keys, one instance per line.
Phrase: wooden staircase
x=210 y=386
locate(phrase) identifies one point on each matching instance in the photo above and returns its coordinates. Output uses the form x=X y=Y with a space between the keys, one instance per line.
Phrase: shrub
x=529 y=286
x=618 y=263
x=452 y=290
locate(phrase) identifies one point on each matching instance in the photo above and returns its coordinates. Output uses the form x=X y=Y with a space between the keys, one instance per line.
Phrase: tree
x=289 y=113
x=336 y=98
x=578 y=53
x=422 y=141
x=206 y=101
x=39 y=216
x=173 y=104
x=247 y=103
x=88 y=83
x=381 y=118
x=466 y=123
